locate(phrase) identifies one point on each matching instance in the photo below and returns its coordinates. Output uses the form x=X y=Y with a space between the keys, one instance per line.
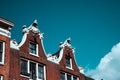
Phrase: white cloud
x=109 y=66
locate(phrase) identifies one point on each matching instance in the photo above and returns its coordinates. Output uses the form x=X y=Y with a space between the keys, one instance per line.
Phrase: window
x=62 y=76
x=1 y=77
x=41 y=72
x=2 y=48
x=32 y=70
x=66 y=76
x=74 y=78
x=24 y=67
x=33 y=48
x=68 y=63
x=69 y=77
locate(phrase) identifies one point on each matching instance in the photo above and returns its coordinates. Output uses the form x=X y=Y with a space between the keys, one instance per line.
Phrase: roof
x=7 y=22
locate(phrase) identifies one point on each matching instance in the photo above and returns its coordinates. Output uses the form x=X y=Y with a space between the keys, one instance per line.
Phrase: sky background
x=93 y=25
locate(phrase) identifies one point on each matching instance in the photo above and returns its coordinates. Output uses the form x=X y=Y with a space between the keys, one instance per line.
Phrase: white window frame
x=3 y=52
x=67 y=77
x=35 y=67
x=1 y=77
x=36 y=49
x=70 y=65
x=64 y=75
x=27 y=69
x=69 y=74
x=28 y=63
x=44 y=67
x=75 y=76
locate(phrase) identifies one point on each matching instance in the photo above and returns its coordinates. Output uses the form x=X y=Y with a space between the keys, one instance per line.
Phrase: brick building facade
x=28 y=60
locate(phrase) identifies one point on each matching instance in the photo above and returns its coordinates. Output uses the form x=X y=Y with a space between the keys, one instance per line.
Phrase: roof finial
x=24 y=29
x=24 y=26
x=68 y=40
x=35 y=23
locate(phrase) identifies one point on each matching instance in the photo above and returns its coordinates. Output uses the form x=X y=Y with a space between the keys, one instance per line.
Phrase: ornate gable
x=32 y=41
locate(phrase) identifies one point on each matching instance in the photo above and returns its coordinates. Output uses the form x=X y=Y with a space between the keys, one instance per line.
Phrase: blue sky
x=93 y=25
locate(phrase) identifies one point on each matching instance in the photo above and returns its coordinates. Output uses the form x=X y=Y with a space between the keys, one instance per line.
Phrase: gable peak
x=35 y=23
x=66 y=43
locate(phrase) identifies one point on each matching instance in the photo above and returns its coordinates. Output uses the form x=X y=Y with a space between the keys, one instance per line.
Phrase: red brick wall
x=14 y=65
x=4 y=69
x=52 y=69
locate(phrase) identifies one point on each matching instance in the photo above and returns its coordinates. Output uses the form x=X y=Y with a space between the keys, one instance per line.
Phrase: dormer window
x=2 y=48
x=33 y=48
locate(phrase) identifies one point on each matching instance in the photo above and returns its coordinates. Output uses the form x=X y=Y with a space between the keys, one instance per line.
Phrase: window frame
x=2 y=52
x=35 y=69
x=36 y=50
x=69 y=76
x=42 y=72
x=27 y=74
x=1 y=77
x=66 y=76
x=75 y=77
x=61 y=74
x=37 y=64
x=70 y=60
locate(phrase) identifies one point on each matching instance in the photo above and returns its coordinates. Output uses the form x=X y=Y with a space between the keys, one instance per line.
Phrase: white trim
x=24 y=76
x=65 y=76
x=6 y=21
x=44 y=72
x=61 y=55
x=54 y=59
x=14 y=45
x=28 y=66
x=5 y=32
x=37 y=71
x=72 y=77
x=3 y=52
x=43 y=45
x=71 y=63
x=23 y=40
x=36 y=55
x=37 y=49
x=1 y=77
